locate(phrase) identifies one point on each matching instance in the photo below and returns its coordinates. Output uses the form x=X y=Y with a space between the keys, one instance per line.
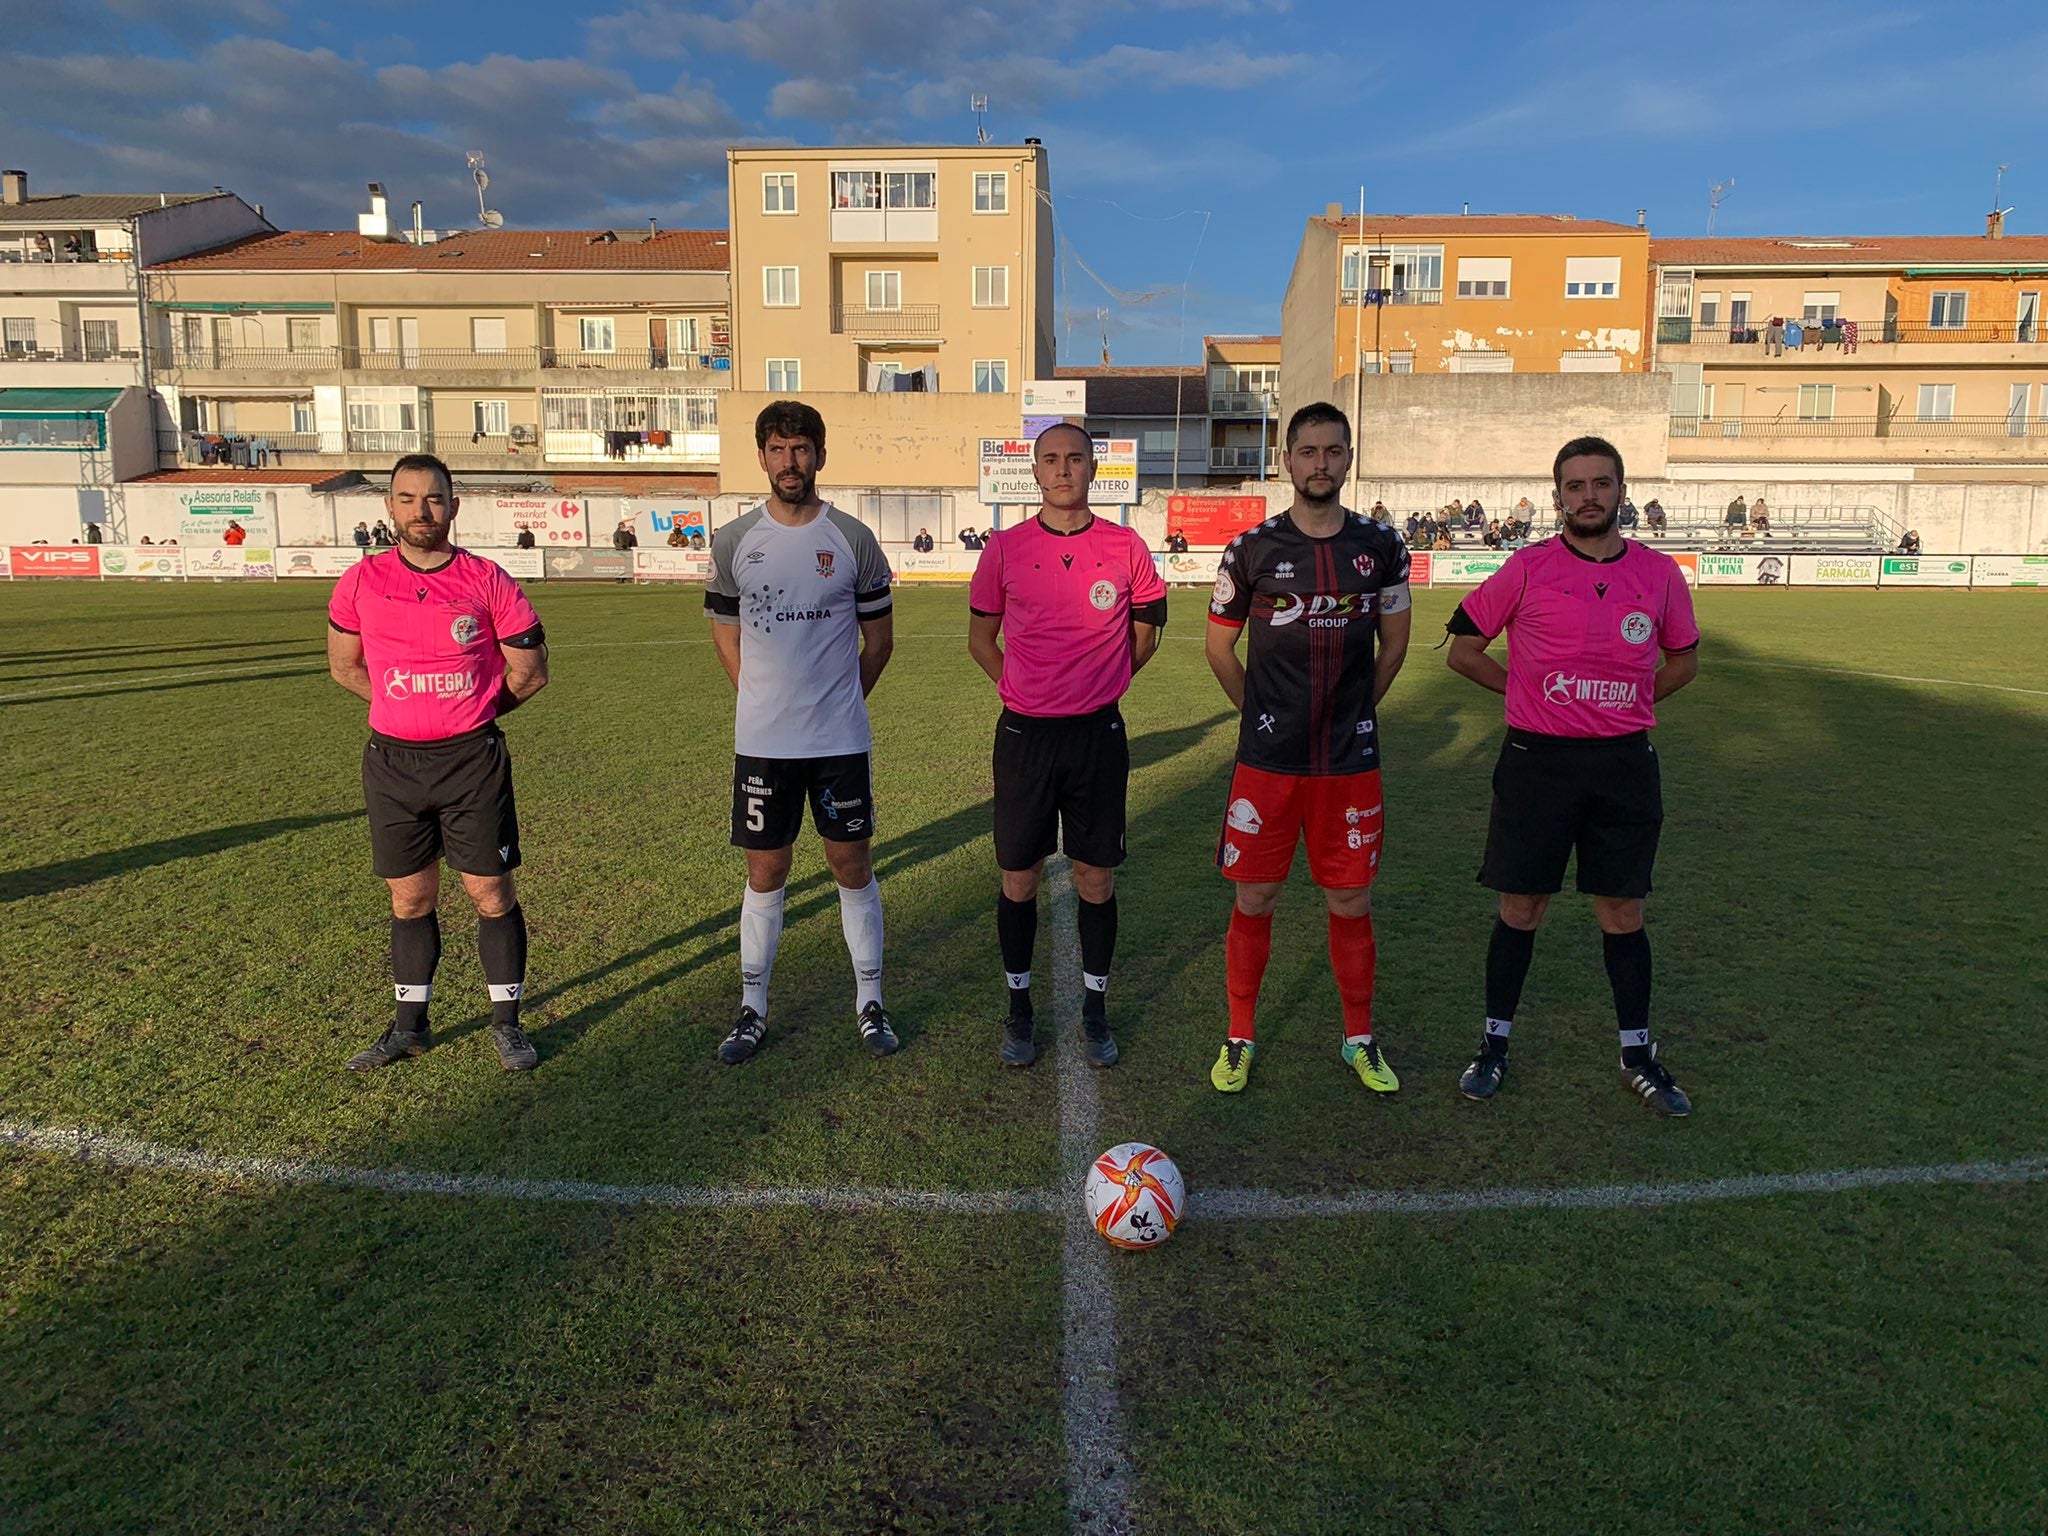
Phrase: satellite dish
x=493 y=219
x=489 y=217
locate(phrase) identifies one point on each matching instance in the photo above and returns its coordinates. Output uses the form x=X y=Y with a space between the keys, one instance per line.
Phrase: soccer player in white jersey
x=800 y=613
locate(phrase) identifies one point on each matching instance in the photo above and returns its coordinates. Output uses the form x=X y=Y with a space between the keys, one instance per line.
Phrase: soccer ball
x=1135 y=1195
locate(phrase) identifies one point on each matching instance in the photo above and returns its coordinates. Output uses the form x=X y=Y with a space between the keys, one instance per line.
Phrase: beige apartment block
x=1903 y=350
x=520 y=351
x=1245 y=425
x=860 y=273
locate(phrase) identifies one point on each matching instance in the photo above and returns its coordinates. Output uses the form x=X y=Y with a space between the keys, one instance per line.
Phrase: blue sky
x=1189 y=139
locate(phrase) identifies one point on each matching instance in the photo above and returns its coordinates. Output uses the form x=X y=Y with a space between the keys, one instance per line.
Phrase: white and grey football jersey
x=798 y=596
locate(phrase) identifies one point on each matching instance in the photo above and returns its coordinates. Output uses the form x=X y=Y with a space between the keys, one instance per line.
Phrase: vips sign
x=76 y=560
x=1213 y=519
x=553 y=521
x=1006 y=472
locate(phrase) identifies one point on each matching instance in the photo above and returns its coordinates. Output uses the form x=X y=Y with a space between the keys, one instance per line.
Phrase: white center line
x=1100 y=1484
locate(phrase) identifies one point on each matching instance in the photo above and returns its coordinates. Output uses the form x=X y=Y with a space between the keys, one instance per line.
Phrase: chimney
x=13 y=188
x=1994 y=221
x=376 y=224
x=653 y=228
x=1642 y=218
x=1333 y=211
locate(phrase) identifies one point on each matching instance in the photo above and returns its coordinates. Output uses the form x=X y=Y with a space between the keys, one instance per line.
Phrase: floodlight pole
x=1357 y=341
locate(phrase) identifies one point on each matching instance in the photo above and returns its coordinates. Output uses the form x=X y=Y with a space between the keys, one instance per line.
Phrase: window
x=991 y=287
x=598 y=333
x=302 y=335
x=492 y=418
x=1738 y=311
x=913 y=189
x=1156 y=440
x=1821 y=308
x=21 y=335
x=1816 y=402
x=991 y=376
x=303 y=417
x=778 y=192
x=991 y=191
x=856 y=189
x=1710 y=310
x=682 y=334
x=1400 y=362
x=895 y=516
x=488 y=334
x=102 y=338
x=1707 y=402
x=380 y=334
x=784 y=376
x=1592 y=277
x=778 y=287
x=383 y=410
x=1483 y=277
x=1947 y=310
x=1406 y=274
x=1937 y=402
x=885 y=290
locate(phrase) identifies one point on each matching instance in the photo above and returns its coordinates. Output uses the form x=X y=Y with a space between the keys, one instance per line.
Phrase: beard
x=425 y=537
x=797 y=495
x=1319 y=490
x=1592 y=522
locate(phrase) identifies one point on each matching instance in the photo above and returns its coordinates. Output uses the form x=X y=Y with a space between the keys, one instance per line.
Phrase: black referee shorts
x=1068 y=774
x=1602 y=796
x=430 y=798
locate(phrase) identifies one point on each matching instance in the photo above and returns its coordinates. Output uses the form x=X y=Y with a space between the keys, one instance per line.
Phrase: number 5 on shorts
x=756 y=822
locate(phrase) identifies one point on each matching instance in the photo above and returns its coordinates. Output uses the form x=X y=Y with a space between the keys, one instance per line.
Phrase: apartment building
x=1161 y=408
x=512 y=350
x=865 y=278
x=1245 y=425
x=1462 y=293
x=1878 y=349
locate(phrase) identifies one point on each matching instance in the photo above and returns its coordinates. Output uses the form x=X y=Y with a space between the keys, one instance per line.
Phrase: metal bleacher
x=1793 y=528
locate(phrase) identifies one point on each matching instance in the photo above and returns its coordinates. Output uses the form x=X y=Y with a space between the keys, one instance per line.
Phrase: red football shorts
x=1339 y=815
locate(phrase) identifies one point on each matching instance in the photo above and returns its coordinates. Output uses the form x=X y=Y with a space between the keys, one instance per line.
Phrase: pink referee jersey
x=1584 y=635
x=430 y=640
x=1065 y=600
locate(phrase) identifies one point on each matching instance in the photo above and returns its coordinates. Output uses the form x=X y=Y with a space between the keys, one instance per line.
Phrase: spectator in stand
x=236 y=534
x=1760 y=517
x=1443 y=537
x=623 y=536
x=696 y=538
x=1475 y=516
x=1653 y=516
x=1380 y=513
x=381 y=535
x=1737 y=518
x=94 y=534
x=1625 y=517
x=1524 y=510
x=678 y=536
x=967 y=539
x=922 y=544
x=1427 y=531
x=1910 y=544
x=1414 y=530
x=1492 y=537
x=525 y=539
x=361 y=535
x=1177 y=542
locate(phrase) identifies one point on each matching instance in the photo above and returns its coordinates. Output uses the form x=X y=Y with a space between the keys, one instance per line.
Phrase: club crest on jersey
x=1363 y=564
x=465 y=629
x=824 y=562
x=1224 y=591
x=1243 y=816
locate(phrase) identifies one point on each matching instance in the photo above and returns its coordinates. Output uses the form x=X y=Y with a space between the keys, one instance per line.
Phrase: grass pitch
x=1849 y=974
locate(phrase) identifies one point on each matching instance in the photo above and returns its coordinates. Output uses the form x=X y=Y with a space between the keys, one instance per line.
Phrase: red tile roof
x=597 y=483
x=487 y=250
x=1847 y=251
x=1132 y=371
x=1478 y=224
x=1250 y=341
x=226 y=476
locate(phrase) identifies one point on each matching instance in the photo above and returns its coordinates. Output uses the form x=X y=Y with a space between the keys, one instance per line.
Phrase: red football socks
x=1245 y=953
x=1353 y=957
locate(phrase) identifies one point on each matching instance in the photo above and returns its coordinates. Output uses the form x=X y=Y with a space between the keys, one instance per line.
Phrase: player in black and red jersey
x=1324 y=592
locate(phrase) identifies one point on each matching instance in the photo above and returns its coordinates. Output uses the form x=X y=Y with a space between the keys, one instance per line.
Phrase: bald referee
x=1063 y=611
x=1599 y=629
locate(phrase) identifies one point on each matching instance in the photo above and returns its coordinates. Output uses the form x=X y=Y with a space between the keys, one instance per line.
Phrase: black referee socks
x=501 y=946
x=1017 y=936
x=1628 y=970
x=415 y=952
x=1508 y=954
x=1097 y=922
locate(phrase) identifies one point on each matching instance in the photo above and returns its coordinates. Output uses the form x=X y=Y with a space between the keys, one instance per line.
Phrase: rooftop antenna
x=490 y=218
x=1715 y=194
x=1102 y=319
x=1997 y=185
x=978 y=105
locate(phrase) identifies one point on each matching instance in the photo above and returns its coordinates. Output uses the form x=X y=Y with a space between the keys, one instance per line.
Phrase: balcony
x=1680 y=339
x=911 y=322
x=112 y=273
x=1244 y=402
x=1375 y=297
x=345 y=450
x=1244 y=461
x=1867 y=439
x=226 y=365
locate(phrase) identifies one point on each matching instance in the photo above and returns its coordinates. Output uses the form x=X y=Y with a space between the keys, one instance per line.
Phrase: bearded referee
x=1599 y=629
x=1063 y=611
x=440 y=643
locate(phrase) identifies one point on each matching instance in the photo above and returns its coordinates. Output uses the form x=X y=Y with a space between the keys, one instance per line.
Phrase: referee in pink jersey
x=441 y=643
x=1064 y=609
x=1599 y=628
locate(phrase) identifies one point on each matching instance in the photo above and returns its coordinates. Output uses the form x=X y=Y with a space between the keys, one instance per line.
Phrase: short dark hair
x=424 y=461
x=1064 y=426
x=1314 y=416
x=1579 y=446
x=789 y=418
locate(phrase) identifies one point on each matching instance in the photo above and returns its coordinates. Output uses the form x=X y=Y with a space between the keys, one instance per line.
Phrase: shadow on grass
x=287 y=650
x=72 y=695
x=106 y=652
x=68 y=874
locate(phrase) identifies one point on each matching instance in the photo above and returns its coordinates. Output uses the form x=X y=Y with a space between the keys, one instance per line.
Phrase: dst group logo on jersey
x=824 y=562
x=1636 y=628
x=1322 y=611
x=465 y=629
x=1244 y=817
x=1103 y=595
x=1562 y=688
x=401 y=684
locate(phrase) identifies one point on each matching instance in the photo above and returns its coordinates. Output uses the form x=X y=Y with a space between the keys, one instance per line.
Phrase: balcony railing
x=305 y=360
x=463 y=450
x=1248 y=460
x=1379 y=296
x=1859 y=427
x=885 y=324
x=70 y=354
x=1244 y=402
x=1753 y=336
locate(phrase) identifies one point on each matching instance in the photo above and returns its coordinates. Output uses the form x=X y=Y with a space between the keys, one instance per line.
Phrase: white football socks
x=760 y=934
x=860 y=918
